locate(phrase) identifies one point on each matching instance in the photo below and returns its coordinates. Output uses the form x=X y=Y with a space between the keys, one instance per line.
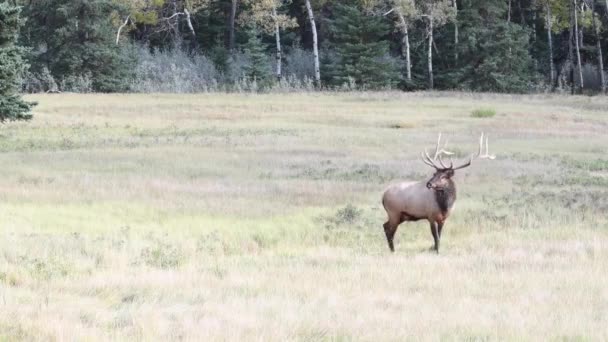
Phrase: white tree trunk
x=122 y=26
x=405 y=45
x=430 y=54
x=509 y=13
x=570 y=61
x=231 y=24
x=189 y=22
x=578 y=48
x=550 y=40
x=277 y=33
x=456 y=38
x=534 y=32
x=315 y=43
x=600 y=57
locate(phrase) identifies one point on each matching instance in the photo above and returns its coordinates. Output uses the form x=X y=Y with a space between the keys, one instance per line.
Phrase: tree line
x=477 y=45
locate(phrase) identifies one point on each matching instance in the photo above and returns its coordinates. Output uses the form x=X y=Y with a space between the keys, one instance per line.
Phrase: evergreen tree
x=12 y=65
x=258 y=68
x=495 y=52
x=75 y=38
x=361 y=49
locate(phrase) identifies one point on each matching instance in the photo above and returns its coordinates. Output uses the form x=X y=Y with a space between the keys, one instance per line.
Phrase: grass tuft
x=402 y=125
x=483 y=113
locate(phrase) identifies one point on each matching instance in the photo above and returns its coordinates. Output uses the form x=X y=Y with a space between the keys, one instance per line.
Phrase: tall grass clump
x=483 y=113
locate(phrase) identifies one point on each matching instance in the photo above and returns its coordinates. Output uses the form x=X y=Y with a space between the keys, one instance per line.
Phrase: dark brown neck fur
x=446 y=197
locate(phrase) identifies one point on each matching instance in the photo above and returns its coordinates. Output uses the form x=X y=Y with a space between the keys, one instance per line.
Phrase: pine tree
x=361 y=49
x=12 y=65
x=258 y=68
x=78 y=39
x=495 y=52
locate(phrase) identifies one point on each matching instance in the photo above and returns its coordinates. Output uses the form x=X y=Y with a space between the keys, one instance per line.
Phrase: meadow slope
x=258 y=217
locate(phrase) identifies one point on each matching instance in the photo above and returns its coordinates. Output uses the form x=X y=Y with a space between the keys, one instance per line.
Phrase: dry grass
x=235 y=217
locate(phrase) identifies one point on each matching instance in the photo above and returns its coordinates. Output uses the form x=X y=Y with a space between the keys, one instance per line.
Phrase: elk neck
x=446 y=197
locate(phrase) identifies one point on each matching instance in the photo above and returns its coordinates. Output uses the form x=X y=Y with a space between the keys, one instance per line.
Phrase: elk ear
x=450 y=173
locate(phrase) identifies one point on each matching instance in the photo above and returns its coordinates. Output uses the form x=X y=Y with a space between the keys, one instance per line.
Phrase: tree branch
x=189 y=21
x=389 y=12
x=122 y=27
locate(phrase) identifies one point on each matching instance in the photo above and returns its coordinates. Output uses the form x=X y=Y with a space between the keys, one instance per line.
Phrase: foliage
x=479 y=46
x=173 y=71
x=265 y=15
x=360 y=44
x=75 y=39
x=495 y=53
x=258 y=69
x=12 y=66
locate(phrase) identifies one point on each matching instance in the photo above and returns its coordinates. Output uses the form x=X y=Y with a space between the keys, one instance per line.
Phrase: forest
x=189 y=46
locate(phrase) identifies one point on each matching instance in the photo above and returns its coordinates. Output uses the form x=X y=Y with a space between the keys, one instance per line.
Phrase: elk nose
x=429 y=185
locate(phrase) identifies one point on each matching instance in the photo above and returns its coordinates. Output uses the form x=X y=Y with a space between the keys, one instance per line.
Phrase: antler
x=439 y=151
x=480 y=154
x=426 y=158
x=487 y=154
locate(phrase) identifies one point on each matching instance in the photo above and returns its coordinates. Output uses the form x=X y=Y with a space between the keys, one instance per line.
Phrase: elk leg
x=440 y=228
x=390 y=230
x=435 y=232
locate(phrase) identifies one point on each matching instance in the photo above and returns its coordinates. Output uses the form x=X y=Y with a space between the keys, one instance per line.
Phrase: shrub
x=173 y=71
x=39 y=82
x=162 y=255
x=483 y=113
x=299 y=63
x=78 y=83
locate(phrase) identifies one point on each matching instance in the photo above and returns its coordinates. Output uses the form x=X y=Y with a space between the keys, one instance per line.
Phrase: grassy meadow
x=258 y=217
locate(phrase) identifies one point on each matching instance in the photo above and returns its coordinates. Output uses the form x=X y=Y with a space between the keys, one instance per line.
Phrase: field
x=258 y=217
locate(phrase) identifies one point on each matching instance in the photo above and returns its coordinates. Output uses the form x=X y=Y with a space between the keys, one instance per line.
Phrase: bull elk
x=432 y=200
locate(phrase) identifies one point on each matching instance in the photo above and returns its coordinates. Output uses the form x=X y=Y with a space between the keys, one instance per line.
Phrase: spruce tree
x=495 y=53
x=361 y=49
x=258 y=68
x=12 y=65
x=76 y=38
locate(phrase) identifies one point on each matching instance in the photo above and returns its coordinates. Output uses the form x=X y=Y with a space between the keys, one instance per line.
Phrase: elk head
x=443 y=173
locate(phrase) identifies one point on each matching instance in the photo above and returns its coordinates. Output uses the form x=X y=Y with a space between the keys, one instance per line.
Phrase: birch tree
x=231 y=24
x=456 y=38
x=600 y=57
x=315 y=42
x=437 y=13
x=407 y=12
x=556 y=16
x=574 y=5
x=164 y=15
x=549 y=22
x=264 y=14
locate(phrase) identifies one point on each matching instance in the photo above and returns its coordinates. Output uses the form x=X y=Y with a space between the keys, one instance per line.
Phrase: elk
x=432 y=200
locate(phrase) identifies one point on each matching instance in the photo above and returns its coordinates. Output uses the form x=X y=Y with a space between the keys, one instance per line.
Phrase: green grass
x=483 y=113
x=239 y=217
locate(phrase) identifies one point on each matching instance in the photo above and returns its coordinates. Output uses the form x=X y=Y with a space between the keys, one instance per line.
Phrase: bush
x=347 y=217
x=162 y=255
x=173 y=71
x=78 y=84
x=483 y=113
x=39 y=82
x=299 y=63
